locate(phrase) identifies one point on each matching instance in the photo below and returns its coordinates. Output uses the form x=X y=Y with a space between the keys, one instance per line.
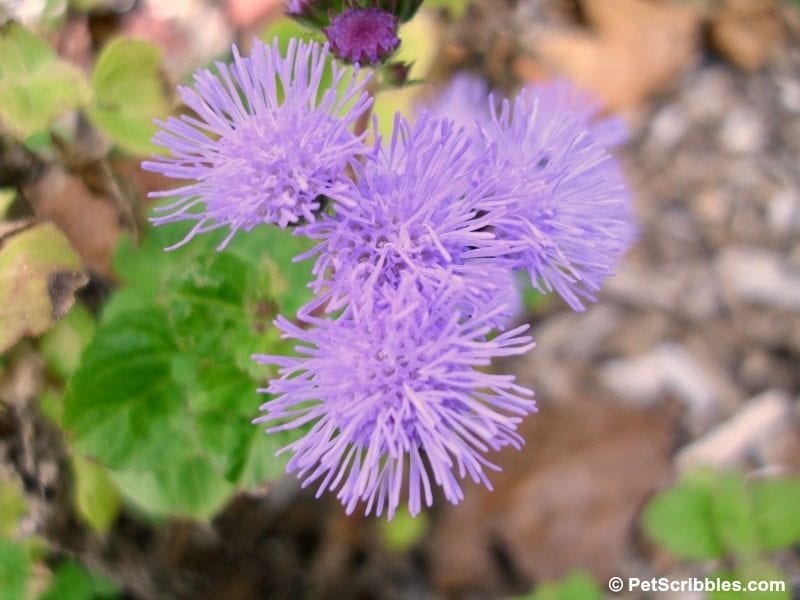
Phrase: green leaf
x=39 y=272
x=71 y=581
x=575 y=585
x=733 y=518
x=131 y=132
x=129 y=93
x=166 y=392
x=122 y=396
x=288 y=280
x=681 y=519
x=12 y=506
x=265 y=254
x=189 y=486
x=62 y=345
x=14 y=570
x=51 y=403
x=96 y=497
x=776 y=511
x=36 y=87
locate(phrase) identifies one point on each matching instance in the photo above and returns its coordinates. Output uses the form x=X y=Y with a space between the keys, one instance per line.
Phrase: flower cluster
x=417 y=240
x=394 y=393
x=264 y=145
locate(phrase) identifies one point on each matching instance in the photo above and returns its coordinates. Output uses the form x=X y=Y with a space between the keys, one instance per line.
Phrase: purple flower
x=561 y=95
x=572 y=209
x=363 y=35
x=267 y=145
x=396 y=392
x=421 y=207
x=464 y=99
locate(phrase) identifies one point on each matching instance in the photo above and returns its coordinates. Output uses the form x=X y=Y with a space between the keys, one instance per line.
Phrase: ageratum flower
x=561 y=95
x=572 y=208
x=265 y=145
x=363 y=35
x=394 y=393
x=467 y=100
x=464 y=99
x=421 y=207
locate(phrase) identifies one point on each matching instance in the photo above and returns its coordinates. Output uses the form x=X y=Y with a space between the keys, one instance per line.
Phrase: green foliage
x=129 y=93
x=39 y=271
x=72 y=582
x=681 y=519
x=710 y=515
x=575 y=585
x=404 y=532
x=166 y=391
x=12 y=507
x=96 y=497
x=6 y=198
x=36 y=87
x=62 y=345
x=532 y=299
x=721 y=515
x=15 y=566
x=776 y=511
x=456 y=7
x=285 y=29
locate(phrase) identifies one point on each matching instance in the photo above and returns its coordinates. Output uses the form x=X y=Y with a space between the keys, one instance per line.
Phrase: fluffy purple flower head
x=394 y=393
x=464 y=99
x=558 y=95
x=266 y=144
x=573 y=210
x=421 y=207
x=363 y=35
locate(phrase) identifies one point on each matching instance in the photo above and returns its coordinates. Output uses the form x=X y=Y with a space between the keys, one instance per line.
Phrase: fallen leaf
x=39 y=274
x=633 y=49
x=91 y=223
x=568 y=500
x=747 y=32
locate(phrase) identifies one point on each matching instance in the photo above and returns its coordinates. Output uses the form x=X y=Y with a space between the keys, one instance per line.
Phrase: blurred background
x=668 y=438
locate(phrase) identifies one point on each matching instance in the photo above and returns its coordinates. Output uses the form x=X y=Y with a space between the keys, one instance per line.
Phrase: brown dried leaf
x=91 y=223
x=568 y=500
x=635 y=48
x=747 y=32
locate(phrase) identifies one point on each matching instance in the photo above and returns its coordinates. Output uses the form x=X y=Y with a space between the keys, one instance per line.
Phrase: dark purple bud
x=363 y=35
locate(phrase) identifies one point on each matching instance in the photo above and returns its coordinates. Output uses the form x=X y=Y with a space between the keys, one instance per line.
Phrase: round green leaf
x=681 y=520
